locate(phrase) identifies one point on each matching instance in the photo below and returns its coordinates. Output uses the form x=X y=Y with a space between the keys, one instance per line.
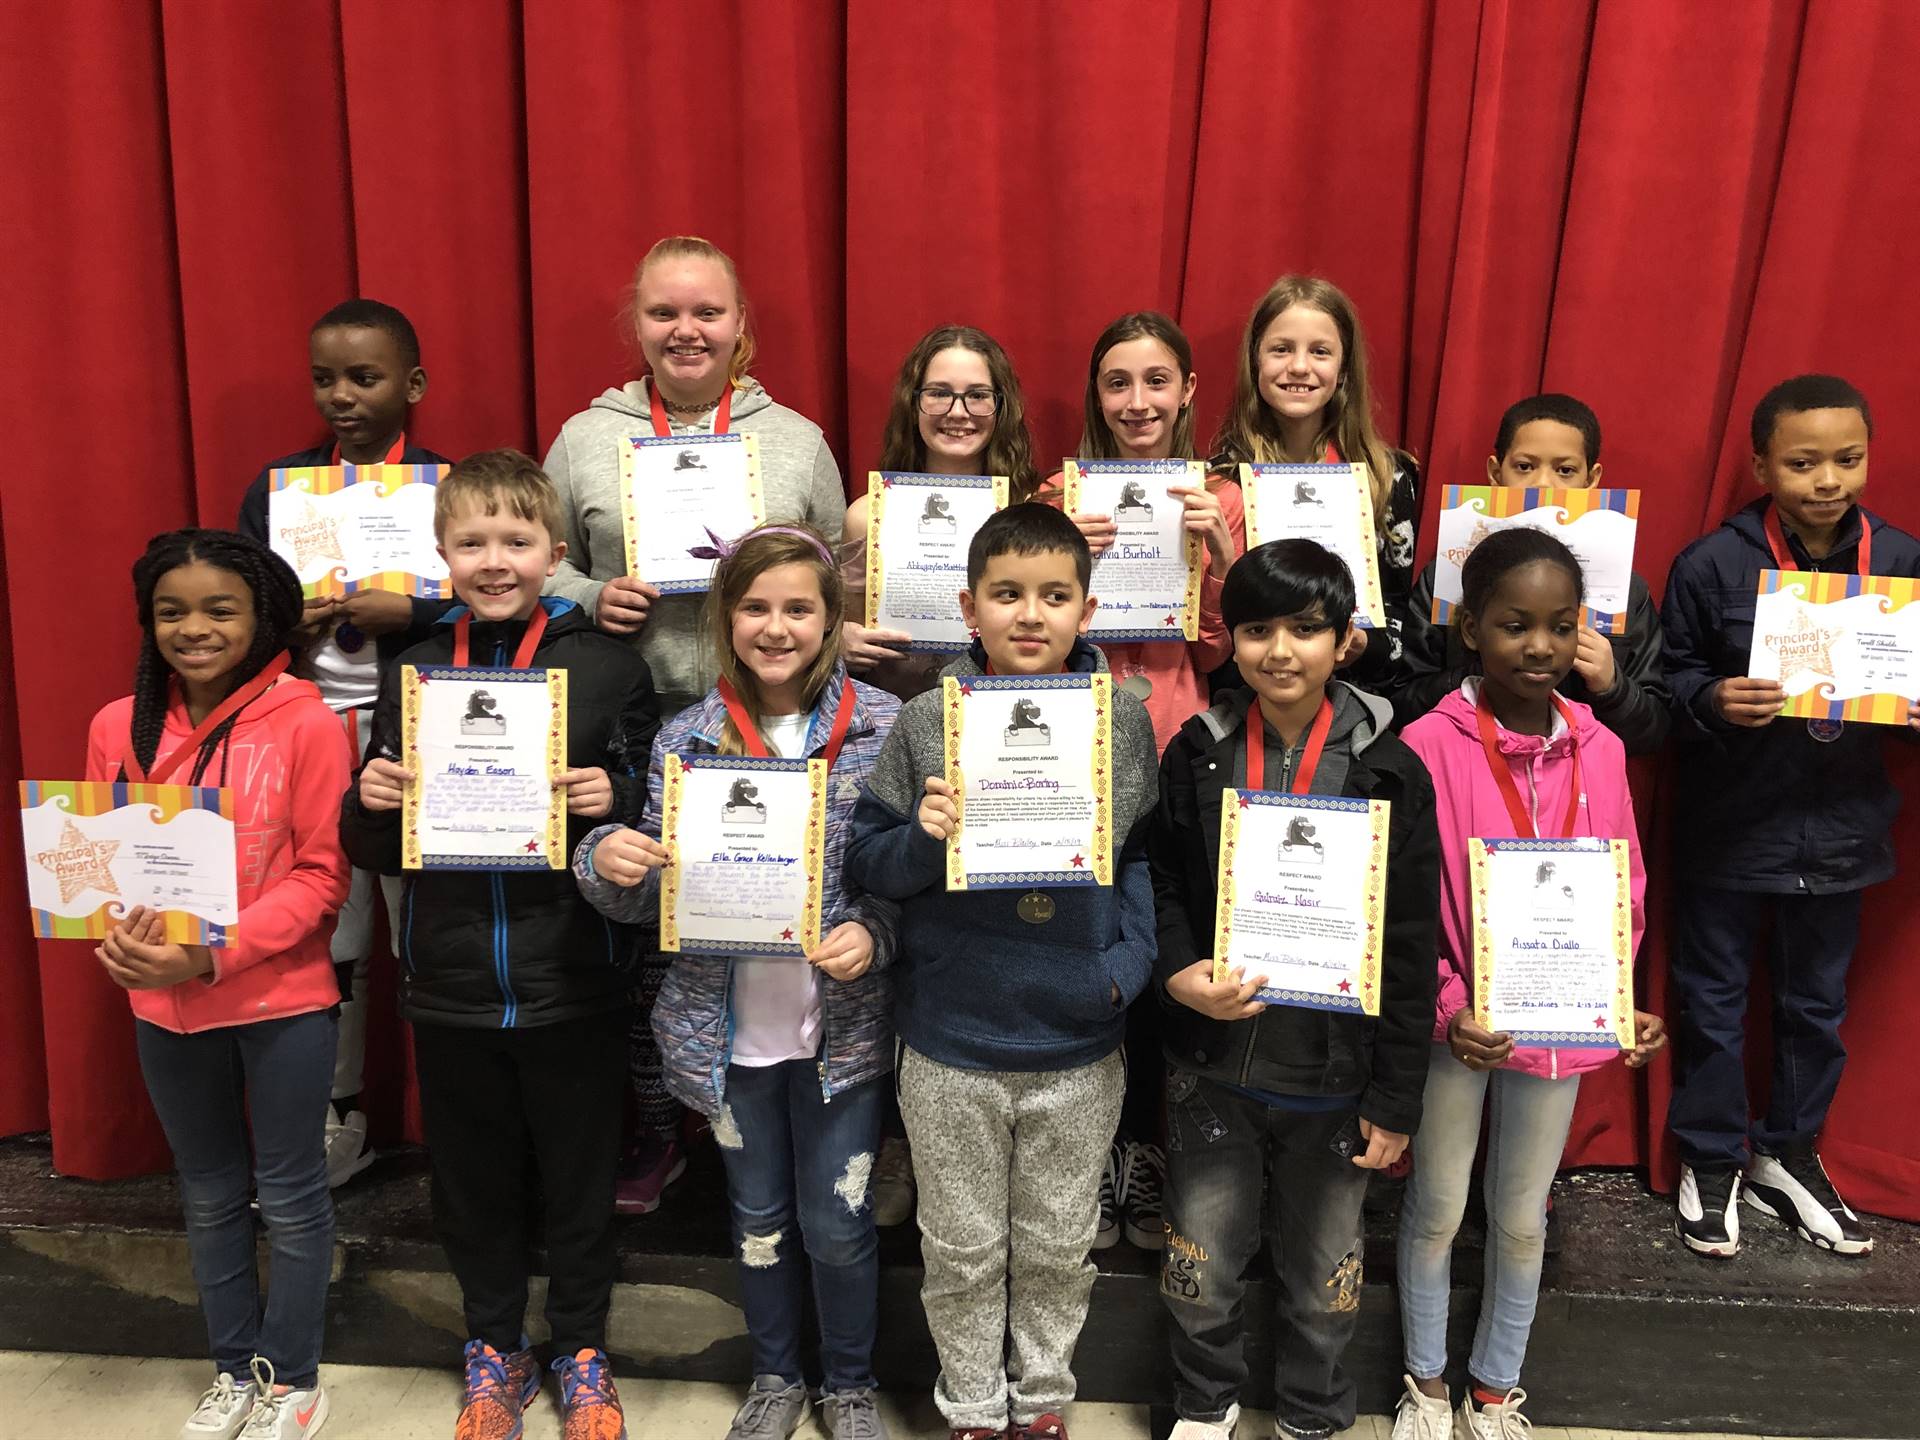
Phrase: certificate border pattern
x=630 y=501
x=879 y=482
x=1194 y=472
x=670 y=873
x=1501 y=502
x=1815 y=588
x=330 y=480
x=1372 y=609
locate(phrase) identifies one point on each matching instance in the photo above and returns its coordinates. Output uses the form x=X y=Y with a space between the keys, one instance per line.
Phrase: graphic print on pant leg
x=726 y=1130
x=851 y=1187
x=1181 y=1277
x=761 y=1252
x=1345 y=1283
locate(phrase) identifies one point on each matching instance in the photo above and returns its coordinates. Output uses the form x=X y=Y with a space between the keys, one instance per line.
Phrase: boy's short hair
x=1288 y=577
x=374 y=315
x=1028 y=529
x=492 y=479
x=1801 y=393
x=1563 y=408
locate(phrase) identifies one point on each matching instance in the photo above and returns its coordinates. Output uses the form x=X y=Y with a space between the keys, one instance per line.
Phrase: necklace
x=690 y=410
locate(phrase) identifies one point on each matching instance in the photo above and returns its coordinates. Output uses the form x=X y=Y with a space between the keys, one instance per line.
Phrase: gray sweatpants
x=1008 y=1165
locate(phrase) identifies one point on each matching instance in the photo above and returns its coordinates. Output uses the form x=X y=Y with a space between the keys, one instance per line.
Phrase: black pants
x=505 y=1110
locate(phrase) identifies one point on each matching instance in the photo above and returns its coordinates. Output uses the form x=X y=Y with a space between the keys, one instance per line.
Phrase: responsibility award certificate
x=1031 y=758
x=1844 y=647
x=1553 y=941
x=1303 y=888
x=345 y=528
x=1332 y=504
x=96 y=849
x=676 y=493
x=1596 y=525
x=747 y=834
x=1148 y=580
x=918 y=531
x=484 y=746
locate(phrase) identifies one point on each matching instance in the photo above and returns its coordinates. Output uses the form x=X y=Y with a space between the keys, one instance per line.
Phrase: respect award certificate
x=1598 y=526
x=747 y=836
x=345 y=528
x=1553 y=941
x=677 y=492
x=483 y=746
x=1302 y=893
x=1332 y=504
x=1844 y=647
x=96 y=849
x=918 y=531
x=1148 y=580
x=1031 y=759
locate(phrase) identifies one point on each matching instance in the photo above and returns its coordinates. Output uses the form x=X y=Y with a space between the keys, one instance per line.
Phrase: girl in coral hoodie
x=1508 y=756
x=246 y=1031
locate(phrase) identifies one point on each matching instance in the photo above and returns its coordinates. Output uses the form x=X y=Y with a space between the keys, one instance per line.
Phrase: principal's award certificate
x=1148 y=580
x=1598 y=526
x=1844 y=647
x=918 y=531
x=1332 y=504
x=345 y=528
x=679 y=491
x=747 y=835
x=1031 y=758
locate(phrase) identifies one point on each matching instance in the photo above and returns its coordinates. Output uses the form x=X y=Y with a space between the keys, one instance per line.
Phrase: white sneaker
x=1492 y=1422
x=221 y=1411
x=1207 y=1429
x=347 y=1151
x=1707 y=1210
x=1793 y=1186
x=1421 y=1416
x=292 y=1416
x=893 y=1182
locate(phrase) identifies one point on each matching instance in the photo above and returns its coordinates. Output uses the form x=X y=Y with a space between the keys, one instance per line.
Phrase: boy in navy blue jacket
x=1782 y=821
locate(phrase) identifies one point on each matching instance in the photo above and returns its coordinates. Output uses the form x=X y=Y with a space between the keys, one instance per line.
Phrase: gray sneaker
x=773 y=1411
x=853 y=1415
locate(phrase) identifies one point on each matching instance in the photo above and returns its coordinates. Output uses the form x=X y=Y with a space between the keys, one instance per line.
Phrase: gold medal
x=1035 y=907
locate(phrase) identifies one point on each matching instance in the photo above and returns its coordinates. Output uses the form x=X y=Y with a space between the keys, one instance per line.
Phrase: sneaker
x=499 y=1389
x=1492 y=1422
x=773 y=1411
x=978 y=1432
x=589 y=1406
x=1707 y=1218
x=1112 y=1193
x=1045 y=1427
x=1421 y=1416
x=853 y=1415
x=347 y=1150
x=655 y=1162
x=1146 y=1172
x=1207 y=1429
x=221 y=1411
x=289 y=1415
x=1793 y=1186
x=893 y=1182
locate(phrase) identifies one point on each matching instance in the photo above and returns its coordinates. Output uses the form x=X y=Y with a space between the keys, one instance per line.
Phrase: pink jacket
x=1467 y=803
x=288 y=762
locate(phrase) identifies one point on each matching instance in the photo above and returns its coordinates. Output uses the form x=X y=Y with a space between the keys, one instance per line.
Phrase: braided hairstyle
x=277 y=607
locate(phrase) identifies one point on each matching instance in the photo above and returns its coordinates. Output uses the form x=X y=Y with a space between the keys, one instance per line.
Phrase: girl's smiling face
x=955 y=438
x=204 y=621
x=778 y=629
x=689 y=316
x=1141 y=394
x=1298 y=362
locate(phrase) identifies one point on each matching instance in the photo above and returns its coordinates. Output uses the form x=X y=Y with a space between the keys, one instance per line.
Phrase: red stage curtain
x=1661 y=208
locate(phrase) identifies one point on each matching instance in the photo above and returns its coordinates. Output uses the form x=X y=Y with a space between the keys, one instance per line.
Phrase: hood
x=1359 y=717
x=631 y=400
x=1460 y=711
x=1082 y=659
x=563 y=618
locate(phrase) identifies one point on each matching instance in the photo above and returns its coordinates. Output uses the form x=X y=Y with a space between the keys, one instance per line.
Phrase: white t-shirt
x=346 y=681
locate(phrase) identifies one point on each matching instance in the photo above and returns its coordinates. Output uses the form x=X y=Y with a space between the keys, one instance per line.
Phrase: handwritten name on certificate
x=484 y=746
x=1598 y=526
x=747 y=836
x=1302 y=891
x=918 y=531
x=1031 y=758
x=1553 y=941
x=1148 y=580
x=1331 y=504
x=674 y=489
x=1843 y=647
x=345 y=528
x=96 y=849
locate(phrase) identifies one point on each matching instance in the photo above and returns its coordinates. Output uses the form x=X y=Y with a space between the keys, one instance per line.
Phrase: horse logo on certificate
x=1026 y=729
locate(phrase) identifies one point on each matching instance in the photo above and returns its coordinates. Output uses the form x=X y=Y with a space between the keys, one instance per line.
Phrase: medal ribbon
x=1503 y=777
x=522 y=657
x=238 y=700
x=1309 y=760
x=750 y=733
x=722 y=415
x=1783 y=557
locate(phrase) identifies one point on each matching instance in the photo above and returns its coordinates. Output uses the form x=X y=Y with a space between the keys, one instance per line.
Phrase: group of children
x=995 y=1019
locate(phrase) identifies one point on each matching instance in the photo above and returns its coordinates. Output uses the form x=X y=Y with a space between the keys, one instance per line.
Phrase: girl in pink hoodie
x=247 y=1031
x=1520 y=616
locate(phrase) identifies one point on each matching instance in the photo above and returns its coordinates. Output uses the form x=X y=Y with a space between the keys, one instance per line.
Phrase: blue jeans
x=204 y=1087
x=1526 y=1133
x=790 y=1154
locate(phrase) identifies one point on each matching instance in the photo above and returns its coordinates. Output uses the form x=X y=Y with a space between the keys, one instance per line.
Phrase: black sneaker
x=1793 y=1186
x=1112 y=1195
x=1707 y=1217
x=1144 y=1222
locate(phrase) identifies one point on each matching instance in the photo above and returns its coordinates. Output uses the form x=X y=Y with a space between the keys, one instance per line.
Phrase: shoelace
x=759 y=1402
x=1425 y=1422
x=1805 y=1167
x=585 y=1383
x=1716 y=1189
x=1146 y=1171
x=1113 y=1179
x=857 y=1409
x=264 y=1418
x=221 y=1397
x=1509 y=1423
x=486 y=1371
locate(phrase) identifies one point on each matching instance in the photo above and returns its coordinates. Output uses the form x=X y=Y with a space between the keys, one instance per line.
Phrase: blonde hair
x=1009 y=449
x=695 y=247
x=757 y=552
x=492 y=480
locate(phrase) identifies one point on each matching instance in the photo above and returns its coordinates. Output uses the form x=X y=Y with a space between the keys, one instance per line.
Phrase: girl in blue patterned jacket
x=789 y=1058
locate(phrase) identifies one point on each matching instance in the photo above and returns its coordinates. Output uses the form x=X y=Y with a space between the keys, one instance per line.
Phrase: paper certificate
x=747 y=835
x=484 y=746
x=1031 y=758
x=1553 y=941
x=1148 y=580
x=674 y=489
x=1844 y=647
x=96 y=849
x=1596 y=525
x=1302 y=887
x=918 y=531
x=345 y=528
x=1332 y=504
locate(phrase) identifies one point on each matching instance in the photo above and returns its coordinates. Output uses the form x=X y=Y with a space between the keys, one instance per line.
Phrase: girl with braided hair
x=246 y=1032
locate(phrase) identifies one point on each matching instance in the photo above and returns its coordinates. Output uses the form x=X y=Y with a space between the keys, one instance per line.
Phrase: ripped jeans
x=791 y=1155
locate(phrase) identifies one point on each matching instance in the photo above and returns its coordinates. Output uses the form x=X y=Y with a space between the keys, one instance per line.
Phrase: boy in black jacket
x=518 y=991
x=1314 y=1099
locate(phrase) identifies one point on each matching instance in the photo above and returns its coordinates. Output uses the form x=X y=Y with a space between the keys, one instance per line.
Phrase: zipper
x=512 y=1006
x=406 y=928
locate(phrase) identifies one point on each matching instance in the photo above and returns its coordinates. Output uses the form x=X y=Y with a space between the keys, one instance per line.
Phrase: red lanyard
x=394 y=451
x=522 y=657
x=750 y=733
x=1503 y=777
x=227 y=708
x=1309 y=761
x=662 y=426
x=1783 y=557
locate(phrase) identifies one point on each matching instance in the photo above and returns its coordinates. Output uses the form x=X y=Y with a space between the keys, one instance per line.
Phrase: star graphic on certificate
x=533 y=846
x=1079 y=862
x=313 y=537
x=1599 y=1022
x=787 y=934
x=1806 y=646
x=1346 y=987
x=79 y=863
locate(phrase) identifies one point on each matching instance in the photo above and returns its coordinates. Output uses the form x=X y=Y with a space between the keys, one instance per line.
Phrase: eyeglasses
x=938 y=400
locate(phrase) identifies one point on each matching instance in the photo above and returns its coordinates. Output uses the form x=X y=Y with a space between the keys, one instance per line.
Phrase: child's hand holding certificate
x=1148 y=580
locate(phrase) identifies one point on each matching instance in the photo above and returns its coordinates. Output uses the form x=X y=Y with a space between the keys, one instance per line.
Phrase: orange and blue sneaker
x=589 y=1408
x=499 y=1389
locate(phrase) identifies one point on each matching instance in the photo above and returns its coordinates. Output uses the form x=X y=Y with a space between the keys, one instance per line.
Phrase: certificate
x=1031 y=759
x=1596 y=525
x=676 y=493
x=483 y=746
x=1302 y=892
x=345 y=528
x=747 y=835
x=1148 y=580
x=918 y=531
x=1844 y=647
x=1553 y=941
x=1332 y=504
x=96 y=849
